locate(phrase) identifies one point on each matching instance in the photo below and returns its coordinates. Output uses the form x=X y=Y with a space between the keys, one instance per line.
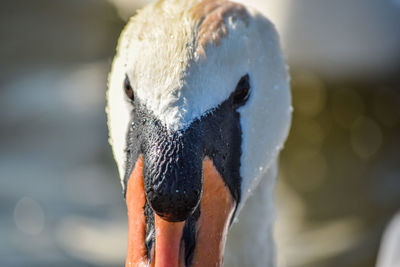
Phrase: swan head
x=198 y=109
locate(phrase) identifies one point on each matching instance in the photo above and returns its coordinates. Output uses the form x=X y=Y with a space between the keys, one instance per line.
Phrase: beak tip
x=175 y=214
x=174 y=205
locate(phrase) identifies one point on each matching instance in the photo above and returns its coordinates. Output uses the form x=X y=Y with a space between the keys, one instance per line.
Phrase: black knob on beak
x=173 y=174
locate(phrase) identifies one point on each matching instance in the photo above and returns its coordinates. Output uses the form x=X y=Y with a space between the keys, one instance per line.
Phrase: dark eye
x=128 y=88
x=242 y=92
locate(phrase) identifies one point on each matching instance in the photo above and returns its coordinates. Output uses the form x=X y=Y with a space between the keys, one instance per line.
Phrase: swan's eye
x=242 y=92
x=128 y=88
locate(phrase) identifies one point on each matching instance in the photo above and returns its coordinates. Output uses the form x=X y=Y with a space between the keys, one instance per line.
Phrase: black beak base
x=172 y=172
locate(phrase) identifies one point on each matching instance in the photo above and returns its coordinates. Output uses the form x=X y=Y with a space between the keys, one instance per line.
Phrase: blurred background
x=339 y=183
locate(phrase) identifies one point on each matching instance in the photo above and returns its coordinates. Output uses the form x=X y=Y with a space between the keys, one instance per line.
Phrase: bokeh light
x=339 y=160
x=29 y=216
x=366 y=137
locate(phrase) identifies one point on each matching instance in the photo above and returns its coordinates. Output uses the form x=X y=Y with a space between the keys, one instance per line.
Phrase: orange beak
x=216 y=210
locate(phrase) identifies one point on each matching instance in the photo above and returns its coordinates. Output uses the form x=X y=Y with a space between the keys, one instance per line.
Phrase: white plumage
x=389 y=254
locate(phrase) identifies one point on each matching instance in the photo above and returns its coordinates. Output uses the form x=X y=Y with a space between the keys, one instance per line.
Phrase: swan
x=389 y=255
x=198 y=108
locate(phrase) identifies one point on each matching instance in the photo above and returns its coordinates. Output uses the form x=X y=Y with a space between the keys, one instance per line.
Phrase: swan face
x=198 y=108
